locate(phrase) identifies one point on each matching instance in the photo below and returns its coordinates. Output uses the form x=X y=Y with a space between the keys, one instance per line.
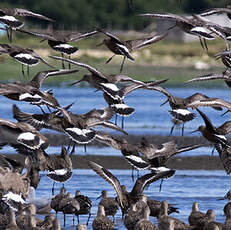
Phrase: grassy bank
x=176 y=61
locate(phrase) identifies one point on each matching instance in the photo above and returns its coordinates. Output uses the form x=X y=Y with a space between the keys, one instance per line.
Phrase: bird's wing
x=79 y=36
x=149 y=178
x=109 y=177
x=24 y=12
x=111 y=36
x=207 y=77
x=225 y=128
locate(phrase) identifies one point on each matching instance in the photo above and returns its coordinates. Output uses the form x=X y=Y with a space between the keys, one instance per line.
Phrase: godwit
x=58 y=41
x=179 y=106
x=85 y=205
x=69 y=205
x=111 y=206
x=102 y=221
x=158 y=155
x=227 y=207
x=224 y=152
x=31 y=92
x=212 y=11
x=188 y=25
x=25 y=56
x=7 y=17
x=163 y=218
x=118 y=47
x=125 y=199
x=225 y=75
x=213 y=134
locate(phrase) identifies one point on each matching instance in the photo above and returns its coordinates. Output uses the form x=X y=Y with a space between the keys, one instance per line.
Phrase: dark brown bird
x=225 y=75
x=25 y=56
x=31 y=92
x=212 y=11
x=59 y=40
x=125 y=199
x=179 y=106
x=7 y=17
x=227 y=207
x=111 y=206
x=85 y=205
x=188 y=25
x=213 y=134
x=118 y=47
x=102 y=221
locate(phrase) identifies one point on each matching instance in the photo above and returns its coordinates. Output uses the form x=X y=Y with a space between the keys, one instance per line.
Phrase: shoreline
x=119 y=162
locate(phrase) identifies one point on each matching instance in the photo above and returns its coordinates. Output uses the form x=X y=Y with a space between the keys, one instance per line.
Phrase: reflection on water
x=182 y=190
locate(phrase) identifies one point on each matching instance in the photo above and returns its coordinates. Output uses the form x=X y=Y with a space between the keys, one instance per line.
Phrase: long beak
x=223 y=198
x=164 y=103
x=76 y=82
x=195 y=131
x=98 y=197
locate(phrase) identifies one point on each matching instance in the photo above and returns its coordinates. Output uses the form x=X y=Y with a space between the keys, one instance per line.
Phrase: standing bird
x=58 y=41
x=227 y=206
x=25 y=56
x=101 y=221
x=124 y=48
x=7 y=17
x=85 y=205
x=125 y=199
x=111 y=206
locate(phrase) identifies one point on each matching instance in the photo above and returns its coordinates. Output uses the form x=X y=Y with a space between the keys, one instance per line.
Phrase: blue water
x=149 y=118
x=182 y=190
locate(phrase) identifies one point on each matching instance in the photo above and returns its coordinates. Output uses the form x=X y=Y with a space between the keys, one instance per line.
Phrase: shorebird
x=212 y=11
x=31 y=92
x=225 y=75
x=58 y=40
x=179 y=106
x=85 y=205
x=95 y=77
x=111 y=206
x=158 y=155
x=224 y=152
x=69 y=205
x=56 y=200
x=25 y=56
x=59 y=167
x=213 y=134
x=225 y=57
x=119 y=47
x=10 y=164
x=145 y=223
x=164 y=218
x=125 y=199
x=21 y=134
x=188 y=25
x=102 y=221
x=227 y=206
x=7 y=17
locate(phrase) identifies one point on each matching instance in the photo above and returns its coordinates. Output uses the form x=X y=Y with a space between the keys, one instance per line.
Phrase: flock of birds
x=24 y=135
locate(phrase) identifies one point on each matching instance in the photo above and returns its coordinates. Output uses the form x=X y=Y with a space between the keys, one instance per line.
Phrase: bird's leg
x=164 y=103
x=85 y=148
x=11 y=34
x=115 y=119
x=73 y=220
x=89 y=216
x=225 y=112
x=41 y=109
x=132 y=174
x=49 y=109
x=69 y=146
x=121 y=68
x=28 y=71
x=182 y=133
x=122 y=123
x=205 y=44
x=138 y=174
x=73 y=149
x=64 y=220
x=110 y=59
x=202 y=45
x=53 y=189
x=69 y=64
x=212 y=151
x=23 y=73
x=78 y=218
x=8 y=33
x=172 y=129
x=63 y=66
x=161 y=182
